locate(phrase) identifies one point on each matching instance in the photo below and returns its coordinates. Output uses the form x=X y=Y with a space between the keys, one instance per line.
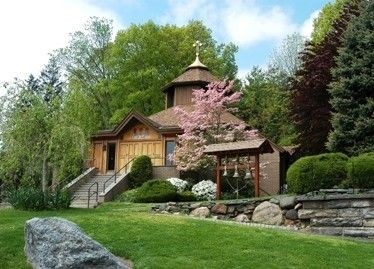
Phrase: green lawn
x=159 y=241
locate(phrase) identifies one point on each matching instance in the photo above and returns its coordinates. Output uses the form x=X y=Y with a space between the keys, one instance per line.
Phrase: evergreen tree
x=353 y=88
x=311 y=108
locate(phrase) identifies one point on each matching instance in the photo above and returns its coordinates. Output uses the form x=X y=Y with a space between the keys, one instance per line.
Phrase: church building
x=156 y=135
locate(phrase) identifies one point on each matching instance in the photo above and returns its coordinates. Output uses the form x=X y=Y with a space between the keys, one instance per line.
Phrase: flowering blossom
x=178 y=183
x=205 y=189
x=204 y=126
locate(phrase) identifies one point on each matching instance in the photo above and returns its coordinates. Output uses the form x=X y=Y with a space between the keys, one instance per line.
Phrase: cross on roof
x=197 y=44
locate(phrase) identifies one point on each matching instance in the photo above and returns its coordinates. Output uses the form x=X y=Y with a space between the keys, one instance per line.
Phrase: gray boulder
x=59 y=243
x=219 y=209
x=241 y=218
x=291 y=214
x=268 y=213
x=200 y=212
x=287 y=202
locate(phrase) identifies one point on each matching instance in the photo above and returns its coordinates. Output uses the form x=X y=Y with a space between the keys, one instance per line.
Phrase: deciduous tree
x=204 y=125
x=311 y=108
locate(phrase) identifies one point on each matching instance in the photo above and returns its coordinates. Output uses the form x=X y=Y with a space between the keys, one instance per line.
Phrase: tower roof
x=195 y=74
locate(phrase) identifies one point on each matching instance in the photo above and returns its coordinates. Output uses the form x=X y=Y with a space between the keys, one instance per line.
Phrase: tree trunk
x=44 y=174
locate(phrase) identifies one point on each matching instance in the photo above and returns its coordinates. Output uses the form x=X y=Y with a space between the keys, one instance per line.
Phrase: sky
x=30 y=29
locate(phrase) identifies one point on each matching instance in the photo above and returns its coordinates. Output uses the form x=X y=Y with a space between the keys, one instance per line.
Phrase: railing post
x=89 y=196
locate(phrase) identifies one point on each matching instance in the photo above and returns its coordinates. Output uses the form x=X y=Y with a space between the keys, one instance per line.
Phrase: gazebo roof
x=253 y=146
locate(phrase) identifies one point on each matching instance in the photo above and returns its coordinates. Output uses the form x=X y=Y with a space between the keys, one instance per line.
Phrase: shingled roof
x=257 y=145
x=169 y=117
x=194 y=74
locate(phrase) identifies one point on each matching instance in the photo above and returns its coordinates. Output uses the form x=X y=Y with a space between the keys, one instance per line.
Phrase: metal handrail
x=125 y=166
x=95 y=192
x=115 y=174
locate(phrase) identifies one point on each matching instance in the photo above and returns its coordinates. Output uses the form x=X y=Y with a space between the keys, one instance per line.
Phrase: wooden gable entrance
x=112 y=151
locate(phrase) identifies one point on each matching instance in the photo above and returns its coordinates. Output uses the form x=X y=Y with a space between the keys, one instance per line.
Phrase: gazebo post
x=257 y=175
x=218 y=177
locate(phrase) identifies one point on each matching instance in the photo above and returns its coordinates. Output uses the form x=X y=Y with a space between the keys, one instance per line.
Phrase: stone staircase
x=80 y=196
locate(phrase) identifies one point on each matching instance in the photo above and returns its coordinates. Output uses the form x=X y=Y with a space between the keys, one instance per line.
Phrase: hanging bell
x=248 y=174
x=236 y=174
x=225 y=172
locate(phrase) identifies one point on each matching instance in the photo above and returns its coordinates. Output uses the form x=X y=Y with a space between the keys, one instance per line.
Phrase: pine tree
x=352 y=89
x=311 y=109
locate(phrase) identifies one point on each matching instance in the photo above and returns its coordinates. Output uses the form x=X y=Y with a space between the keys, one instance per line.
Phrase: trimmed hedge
x=186 y=196
x=317 y=172
x=156 y=191
x=361 y=171
x=35 y=200
x=141 y=171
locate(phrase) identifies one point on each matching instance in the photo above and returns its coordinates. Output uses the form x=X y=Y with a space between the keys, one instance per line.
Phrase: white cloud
x=243 y=22
x=32 y=29
x=306 y=28
x=246 y=23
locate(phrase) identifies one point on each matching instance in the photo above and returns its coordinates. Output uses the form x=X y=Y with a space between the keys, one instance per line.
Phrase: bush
x=205 y=190
x=127 y=196
x=186 y=196
x=58 y=199
x=35 y=199
x=361 y=171
x=178 y=183
x=156 y=191
x=317 y=172
x=141 y=171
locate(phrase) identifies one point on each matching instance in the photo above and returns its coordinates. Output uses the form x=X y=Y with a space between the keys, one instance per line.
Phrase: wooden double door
x=130 y=150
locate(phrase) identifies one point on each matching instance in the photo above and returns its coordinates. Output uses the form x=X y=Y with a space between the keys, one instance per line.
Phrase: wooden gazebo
x=248 y=148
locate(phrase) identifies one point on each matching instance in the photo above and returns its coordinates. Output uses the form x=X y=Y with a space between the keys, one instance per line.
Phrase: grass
x=160 y=241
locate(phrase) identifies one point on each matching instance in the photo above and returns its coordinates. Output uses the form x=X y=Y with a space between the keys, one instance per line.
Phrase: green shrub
x=317 y=172
x=186 y=196
x=156 y=191
x=361 y=171
x=127 y=196
x=58 y=199
x=35 y=199
x=141 y=171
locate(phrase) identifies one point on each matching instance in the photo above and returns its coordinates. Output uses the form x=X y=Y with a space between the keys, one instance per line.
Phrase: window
x=169 y=151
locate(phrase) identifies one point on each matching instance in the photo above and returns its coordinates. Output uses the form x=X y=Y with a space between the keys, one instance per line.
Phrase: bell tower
x=196 y=76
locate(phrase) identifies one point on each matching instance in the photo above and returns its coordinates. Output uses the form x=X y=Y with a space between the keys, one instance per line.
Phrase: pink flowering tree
x=205 y=125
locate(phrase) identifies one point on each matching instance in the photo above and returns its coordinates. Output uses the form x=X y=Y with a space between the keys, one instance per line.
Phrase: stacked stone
x=339 y=214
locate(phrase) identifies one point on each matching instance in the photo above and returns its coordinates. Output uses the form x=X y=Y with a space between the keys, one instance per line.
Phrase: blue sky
x=33 y=28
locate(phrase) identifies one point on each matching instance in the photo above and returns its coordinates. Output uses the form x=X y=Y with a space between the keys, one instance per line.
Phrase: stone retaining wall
x=331 y=212
x=339 y=214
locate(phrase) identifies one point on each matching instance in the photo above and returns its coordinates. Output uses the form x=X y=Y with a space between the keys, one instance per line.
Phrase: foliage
x=86 y=60
x=186 y=196
x=38 y=141
x=312 y=173
x=205 y=190
x=310 y=107
x=158 y=241
x=265 y=105
x=156 y=191
x=285 y=59
x=199 y=174
x=352 y=95
x=178 y=183
x=141 y=171
x=36 y=199
x=127 y=196
x=204 y=125
x=361 y=171
x=323 y=24
x=148 y=56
